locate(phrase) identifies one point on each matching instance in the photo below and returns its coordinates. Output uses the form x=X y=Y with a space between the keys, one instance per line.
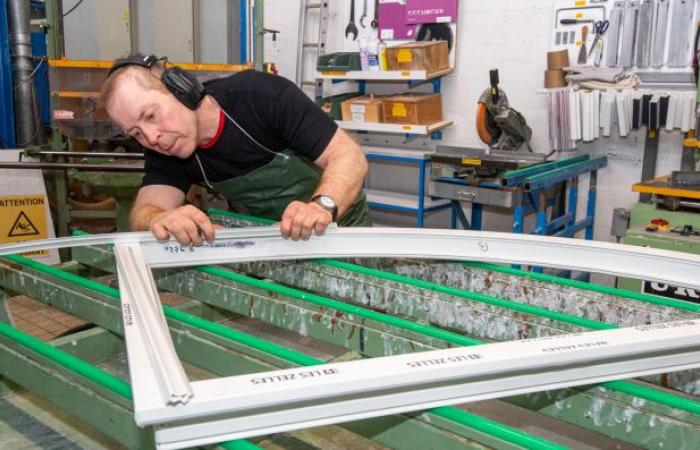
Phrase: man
x=254 y=137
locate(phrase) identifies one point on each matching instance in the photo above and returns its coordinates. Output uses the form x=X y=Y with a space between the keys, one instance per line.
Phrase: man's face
x=155 y=118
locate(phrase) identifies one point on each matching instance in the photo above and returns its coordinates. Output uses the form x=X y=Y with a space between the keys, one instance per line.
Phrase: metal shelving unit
x=386 y=75
x=413 y=78
x=419 y=205
x=395 y=128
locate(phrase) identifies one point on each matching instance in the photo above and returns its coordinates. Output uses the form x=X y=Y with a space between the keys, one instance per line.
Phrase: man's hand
x=301 y=219
x=187 y=224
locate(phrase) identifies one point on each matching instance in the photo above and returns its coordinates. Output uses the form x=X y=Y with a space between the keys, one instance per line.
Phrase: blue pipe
x=7 y=107
x=243 y=45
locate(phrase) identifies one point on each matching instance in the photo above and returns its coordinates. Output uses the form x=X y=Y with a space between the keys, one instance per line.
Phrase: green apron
x=267 y=190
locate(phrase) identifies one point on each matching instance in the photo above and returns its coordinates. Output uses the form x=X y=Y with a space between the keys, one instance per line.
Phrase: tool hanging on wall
x=574 y=21
x=629 y=29
x=351 y=28
x=643 y=34
x=613 y=37
x=363 y=17
x=582 y=51
x=680 y=33
x=657 y=47
x=375 y=22
x=599 y=29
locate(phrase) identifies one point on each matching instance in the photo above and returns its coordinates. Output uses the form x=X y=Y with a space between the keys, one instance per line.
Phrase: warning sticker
x=23 y=218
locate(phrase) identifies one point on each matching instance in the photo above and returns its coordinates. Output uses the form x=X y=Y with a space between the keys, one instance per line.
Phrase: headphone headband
x=135 y=59
x=182 y=84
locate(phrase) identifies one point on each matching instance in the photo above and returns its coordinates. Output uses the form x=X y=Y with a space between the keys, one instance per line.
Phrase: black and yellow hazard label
x=23 y=218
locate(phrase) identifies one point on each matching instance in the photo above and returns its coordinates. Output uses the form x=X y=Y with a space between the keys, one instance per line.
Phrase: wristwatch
x=328 y=204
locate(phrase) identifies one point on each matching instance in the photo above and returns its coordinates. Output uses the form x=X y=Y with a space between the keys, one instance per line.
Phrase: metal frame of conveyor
x=188 y=413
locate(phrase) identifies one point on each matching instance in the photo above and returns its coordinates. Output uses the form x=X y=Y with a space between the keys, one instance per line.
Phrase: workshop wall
x=96 y=29
x=513 y=36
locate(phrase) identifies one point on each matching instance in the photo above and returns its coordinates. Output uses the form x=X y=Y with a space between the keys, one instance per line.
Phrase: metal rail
x=88 y=154
x=71 y=166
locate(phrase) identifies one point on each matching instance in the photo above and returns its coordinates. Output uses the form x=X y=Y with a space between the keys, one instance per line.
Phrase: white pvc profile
x=285 y=400
x=153 y=363
x=250 y=405
x=259 y=244
x=266 y=243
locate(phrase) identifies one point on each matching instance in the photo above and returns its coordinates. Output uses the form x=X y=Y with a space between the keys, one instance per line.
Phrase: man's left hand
x=301 y=219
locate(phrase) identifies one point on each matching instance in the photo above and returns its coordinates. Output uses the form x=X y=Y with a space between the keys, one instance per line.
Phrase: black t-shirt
x=270 y=108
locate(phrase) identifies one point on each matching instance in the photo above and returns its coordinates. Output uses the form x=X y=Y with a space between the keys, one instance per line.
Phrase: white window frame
x=187 y=414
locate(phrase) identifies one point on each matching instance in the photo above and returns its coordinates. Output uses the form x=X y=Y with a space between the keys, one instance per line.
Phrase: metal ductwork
x=26 y=123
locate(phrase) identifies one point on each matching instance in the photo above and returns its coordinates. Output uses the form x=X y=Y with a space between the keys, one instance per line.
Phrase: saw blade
x=486 y=126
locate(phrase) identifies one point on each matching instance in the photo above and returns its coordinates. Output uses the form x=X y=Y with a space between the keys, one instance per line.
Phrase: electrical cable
x=37 y=128
x=285 y=157
x=32 y=73
x=8 y=145
x=73 y=8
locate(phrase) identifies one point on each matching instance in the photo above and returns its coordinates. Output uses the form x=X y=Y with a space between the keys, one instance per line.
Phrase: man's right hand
x=187 y=224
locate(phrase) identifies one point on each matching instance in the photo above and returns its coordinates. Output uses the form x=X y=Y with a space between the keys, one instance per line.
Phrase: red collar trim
x=210 y=143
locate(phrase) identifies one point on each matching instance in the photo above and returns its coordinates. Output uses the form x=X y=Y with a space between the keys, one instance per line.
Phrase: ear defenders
x=181 y=83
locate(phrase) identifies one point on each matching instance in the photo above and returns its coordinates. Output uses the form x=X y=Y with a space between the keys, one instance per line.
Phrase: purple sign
x=392 y=22
x=431 y=11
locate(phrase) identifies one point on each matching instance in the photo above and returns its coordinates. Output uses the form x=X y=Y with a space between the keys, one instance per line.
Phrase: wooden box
x=424 y=55
x=413 y=109
x=363 y=109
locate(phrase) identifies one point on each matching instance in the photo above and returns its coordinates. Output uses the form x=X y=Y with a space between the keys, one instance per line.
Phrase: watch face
x=326 y=201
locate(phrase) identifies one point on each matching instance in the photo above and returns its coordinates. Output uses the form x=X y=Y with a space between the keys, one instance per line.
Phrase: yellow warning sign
x=23 y=218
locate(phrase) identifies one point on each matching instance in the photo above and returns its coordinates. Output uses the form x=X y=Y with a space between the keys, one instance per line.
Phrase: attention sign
x=23 y=218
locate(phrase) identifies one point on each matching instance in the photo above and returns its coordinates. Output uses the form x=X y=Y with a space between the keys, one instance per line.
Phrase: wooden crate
x=425 y=55
x=413 y=109
x=363 y=109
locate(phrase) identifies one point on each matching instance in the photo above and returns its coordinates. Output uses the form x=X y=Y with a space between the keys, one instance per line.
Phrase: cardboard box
x=333 y=104
x=363 y=109
x=425 y=55
x=413 y=109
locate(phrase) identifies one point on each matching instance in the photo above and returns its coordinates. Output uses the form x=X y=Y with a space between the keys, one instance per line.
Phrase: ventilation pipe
x=21 y=46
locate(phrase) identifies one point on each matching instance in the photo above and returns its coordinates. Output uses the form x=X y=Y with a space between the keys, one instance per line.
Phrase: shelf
x=416 y=155
x=76 y=94
x=394 y=128
x=386 y=75
x=400 y=201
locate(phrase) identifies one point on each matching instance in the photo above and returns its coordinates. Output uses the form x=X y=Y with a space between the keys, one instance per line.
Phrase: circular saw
x=499 y=126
